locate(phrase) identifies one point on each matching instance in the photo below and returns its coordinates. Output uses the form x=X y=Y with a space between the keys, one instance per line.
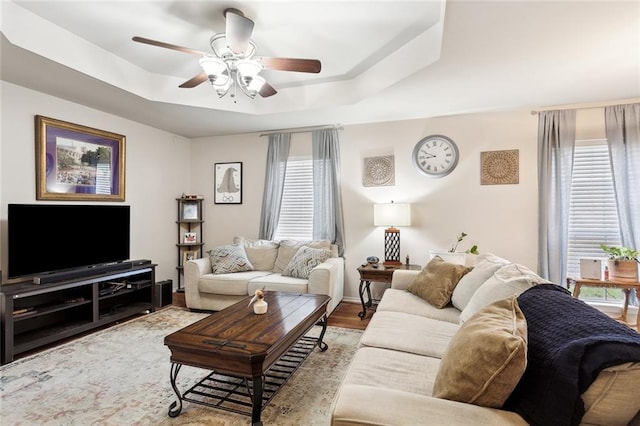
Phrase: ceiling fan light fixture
x=213 y=67
x=248 y=68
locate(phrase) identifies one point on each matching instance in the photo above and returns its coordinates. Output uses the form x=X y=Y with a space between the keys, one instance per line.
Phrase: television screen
x=49 y=237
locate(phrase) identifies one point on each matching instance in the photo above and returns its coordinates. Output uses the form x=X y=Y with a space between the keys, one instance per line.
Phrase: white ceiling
x=381 y=60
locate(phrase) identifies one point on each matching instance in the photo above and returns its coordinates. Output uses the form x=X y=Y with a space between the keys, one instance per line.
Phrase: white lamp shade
x=212 y=66
x=248 y=68
x=392 y=214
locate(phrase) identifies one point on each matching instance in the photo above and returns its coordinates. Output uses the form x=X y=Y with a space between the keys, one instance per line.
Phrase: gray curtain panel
x=623 y=137
x=556 y=142
x=328 y=222
x=274 y=183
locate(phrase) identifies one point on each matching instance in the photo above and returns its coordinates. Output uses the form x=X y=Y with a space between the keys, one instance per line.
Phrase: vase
x=260 y=307
x=623 y=270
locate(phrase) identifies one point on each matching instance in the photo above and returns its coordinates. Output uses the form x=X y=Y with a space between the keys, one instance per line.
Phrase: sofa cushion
x=305 y=259
x=402 y=301
x=508 y=280
x=277 y=282
x=261 y=253
x=408 y=333
x=387 y=369
x=436 y=281
x=230 y=258
x=232 y=284
x=486 y=265
x=289 y=248
x=486 y=358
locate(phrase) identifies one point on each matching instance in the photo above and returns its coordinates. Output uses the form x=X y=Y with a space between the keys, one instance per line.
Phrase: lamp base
x=392 y=246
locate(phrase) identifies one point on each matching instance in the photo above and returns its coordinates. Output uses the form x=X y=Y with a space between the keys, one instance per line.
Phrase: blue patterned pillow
x=227 y=259
x=305 y=259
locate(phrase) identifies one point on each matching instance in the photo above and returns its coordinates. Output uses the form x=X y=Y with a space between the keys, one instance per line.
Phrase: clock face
x=435 y=156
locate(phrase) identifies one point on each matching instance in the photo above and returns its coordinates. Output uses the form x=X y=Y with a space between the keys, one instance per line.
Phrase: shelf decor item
x=189 y=255
x=189 y=211
x=190 y=237
x=228 y=183
x=78 y=163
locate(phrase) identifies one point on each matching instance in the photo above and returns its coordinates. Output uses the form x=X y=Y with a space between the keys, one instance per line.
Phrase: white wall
x=157 y=171
x=499 y=218
x=160 y=166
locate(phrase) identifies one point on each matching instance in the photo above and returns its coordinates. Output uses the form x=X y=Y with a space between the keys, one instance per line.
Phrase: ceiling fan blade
x=168 y=46
x=238 y=30
x=290 y=64
x=198 y=79
x=267 y=90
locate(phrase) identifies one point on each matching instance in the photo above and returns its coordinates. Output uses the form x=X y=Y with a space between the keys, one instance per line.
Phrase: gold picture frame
x=78 y=163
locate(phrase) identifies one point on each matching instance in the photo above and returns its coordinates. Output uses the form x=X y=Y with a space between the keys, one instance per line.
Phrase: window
x=296 y=211
x=593 y=217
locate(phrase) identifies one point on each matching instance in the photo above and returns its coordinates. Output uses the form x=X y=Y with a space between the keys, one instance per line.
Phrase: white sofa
x=287 y=265
x=409 y=347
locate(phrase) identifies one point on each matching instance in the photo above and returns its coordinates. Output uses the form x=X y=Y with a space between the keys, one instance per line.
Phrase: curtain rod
x=586 y=106
x=303 y=129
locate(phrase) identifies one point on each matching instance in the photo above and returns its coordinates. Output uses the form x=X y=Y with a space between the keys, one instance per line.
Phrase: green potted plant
x=453 y=255
x=622 y=263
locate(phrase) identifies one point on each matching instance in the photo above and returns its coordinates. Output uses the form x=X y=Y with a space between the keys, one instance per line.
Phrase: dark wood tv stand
x=35 y=315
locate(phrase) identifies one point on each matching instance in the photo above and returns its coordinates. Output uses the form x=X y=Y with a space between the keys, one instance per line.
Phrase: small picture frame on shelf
x=189 y=255
x=190 y=238
x=189 y=211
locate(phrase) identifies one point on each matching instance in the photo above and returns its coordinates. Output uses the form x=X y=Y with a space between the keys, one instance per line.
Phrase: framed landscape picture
x=227 y=183
x=189 y=211
x=78 y=163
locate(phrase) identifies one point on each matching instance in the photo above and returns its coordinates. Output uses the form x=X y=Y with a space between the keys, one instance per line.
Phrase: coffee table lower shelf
x=234 y=393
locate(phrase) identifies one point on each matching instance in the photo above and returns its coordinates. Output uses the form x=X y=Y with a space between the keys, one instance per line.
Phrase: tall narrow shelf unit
x=190 y=224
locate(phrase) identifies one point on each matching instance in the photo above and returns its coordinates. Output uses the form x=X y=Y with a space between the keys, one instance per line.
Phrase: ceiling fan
x=233 y=63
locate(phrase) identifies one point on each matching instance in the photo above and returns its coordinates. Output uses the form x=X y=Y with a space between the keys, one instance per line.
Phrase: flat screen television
x=53 y=237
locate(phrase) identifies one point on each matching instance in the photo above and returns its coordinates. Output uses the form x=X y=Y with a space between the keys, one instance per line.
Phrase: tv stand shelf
x=35 y=315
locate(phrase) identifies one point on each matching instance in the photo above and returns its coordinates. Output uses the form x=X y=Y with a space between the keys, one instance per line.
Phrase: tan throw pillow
x=486 y=358
x=436 y=281
x=261 y=253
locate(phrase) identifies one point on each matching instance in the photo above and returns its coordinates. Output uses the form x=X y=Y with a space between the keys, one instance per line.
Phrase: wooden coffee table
x=251 y=356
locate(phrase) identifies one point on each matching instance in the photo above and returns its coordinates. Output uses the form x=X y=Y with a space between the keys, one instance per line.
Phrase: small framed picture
x=227 y=183
x=189 y=255
x=189 y=211
x=190 y=237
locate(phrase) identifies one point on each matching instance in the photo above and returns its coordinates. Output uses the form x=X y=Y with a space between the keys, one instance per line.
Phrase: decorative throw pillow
x=261 y=253
x=509 y=280
x=305 y=259
x=486 y=265
x=227 y=259
x=436 y=281
x=486 y=358
x=288 y=249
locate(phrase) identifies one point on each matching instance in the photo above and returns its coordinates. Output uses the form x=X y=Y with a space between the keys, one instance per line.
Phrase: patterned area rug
x=120 y=376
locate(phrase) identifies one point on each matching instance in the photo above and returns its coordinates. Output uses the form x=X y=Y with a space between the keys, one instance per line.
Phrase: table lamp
x=392 y=215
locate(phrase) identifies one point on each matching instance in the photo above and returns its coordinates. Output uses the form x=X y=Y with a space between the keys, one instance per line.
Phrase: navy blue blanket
x=569 y=343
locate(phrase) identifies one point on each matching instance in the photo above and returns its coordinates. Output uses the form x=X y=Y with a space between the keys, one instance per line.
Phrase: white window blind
x=593 y=217
x=296 y=212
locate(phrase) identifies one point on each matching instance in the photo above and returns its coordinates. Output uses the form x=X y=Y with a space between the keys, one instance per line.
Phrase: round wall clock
x=435 y=156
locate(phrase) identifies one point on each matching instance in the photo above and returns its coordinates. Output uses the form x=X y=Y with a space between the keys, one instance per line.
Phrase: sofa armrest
x=193 y=271
x=370 y=405
x=402 y=279
x=328 y=278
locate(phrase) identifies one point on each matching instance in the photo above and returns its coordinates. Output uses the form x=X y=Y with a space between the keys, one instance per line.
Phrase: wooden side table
x=626 y=287
x=383 y=274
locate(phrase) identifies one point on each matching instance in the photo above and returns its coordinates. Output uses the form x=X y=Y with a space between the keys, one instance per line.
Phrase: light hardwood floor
x=345 y=315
